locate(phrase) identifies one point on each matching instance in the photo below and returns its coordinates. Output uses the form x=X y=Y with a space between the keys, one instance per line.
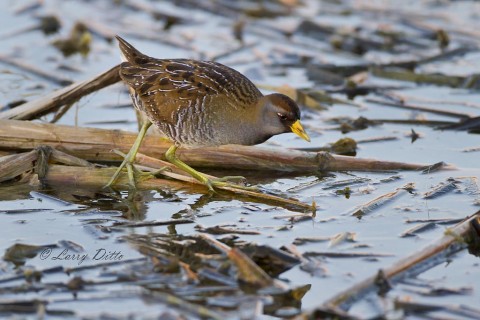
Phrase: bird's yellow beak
x=298 y=130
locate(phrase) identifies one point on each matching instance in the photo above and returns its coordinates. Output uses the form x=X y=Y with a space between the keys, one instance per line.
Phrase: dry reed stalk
x=453 y=240
x=97 y=178
x=14 y=165
x=248 y=271
x=67 y=95
x=97 y=145
x=175 y=173
x=83 y=174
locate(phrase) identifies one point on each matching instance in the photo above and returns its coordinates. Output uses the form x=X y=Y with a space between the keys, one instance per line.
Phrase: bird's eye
x=282 y=116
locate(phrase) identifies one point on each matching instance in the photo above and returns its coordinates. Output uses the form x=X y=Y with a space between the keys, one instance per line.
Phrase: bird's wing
x=164 y=87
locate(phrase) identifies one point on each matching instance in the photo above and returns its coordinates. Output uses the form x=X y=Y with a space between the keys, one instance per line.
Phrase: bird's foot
x=129 y=158
x=132 y=171
x=156 y=173
x=223 y=182
x=211 y=183
x=119 y=169
x=236 y=179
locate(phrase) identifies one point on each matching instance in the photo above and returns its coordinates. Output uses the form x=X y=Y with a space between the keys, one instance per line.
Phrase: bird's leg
x=129 y=159
x=172 y=158
x=137 y=172
x=210 y=183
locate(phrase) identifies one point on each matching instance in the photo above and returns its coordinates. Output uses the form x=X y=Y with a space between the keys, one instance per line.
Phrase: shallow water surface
x=105 y=253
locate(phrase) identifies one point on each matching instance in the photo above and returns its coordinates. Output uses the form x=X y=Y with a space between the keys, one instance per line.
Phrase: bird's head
x=280 y=114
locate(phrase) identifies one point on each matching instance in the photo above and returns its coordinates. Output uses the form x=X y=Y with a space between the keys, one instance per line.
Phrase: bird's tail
x=129 y=53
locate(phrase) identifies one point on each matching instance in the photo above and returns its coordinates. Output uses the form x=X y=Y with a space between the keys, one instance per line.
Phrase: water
x=82 y=222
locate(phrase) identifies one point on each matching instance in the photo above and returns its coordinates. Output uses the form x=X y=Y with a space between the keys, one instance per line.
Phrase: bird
x=201 y=104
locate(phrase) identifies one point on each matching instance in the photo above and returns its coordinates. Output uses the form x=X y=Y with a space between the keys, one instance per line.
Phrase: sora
x=200 y=104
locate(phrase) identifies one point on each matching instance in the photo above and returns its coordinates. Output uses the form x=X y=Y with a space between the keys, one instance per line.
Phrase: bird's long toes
x=210 y=185
x=160 y=171
x=236 y=179
x=219 y=184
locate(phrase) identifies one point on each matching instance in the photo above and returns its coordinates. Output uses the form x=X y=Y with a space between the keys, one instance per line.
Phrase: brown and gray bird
x=202 y=103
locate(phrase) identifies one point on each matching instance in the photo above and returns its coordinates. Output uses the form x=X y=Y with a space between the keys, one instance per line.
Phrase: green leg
x=130 y=157
x=210 y=183
x=172 y=158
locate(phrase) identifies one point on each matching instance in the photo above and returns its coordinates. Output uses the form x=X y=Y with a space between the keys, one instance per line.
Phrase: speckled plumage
x=203 y=103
